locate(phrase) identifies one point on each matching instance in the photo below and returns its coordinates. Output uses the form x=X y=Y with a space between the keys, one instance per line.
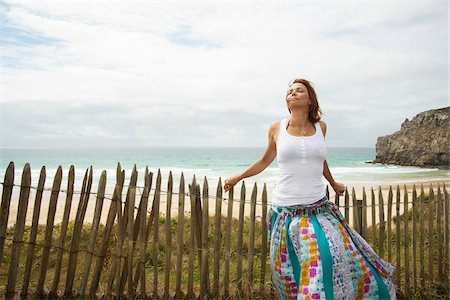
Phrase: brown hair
x=315 y=113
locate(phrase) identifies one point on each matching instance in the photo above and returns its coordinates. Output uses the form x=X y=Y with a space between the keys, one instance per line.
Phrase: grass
x=250 y=289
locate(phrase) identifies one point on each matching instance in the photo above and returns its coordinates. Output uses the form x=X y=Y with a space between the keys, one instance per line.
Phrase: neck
x=299 y=118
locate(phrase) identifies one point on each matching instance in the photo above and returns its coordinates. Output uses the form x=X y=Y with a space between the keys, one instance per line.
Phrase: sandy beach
x=212 y=200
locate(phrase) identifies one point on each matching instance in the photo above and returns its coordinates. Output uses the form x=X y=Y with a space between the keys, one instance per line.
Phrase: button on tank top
x=300 y=165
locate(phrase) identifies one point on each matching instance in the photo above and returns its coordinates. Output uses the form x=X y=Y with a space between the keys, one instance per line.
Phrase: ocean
x=347 y=165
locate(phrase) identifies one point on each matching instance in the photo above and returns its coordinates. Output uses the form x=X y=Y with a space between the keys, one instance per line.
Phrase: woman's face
x=297 y=96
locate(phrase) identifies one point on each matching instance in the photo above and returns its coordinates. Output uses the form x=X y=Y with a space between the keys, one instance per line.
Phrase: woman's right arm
x=259 y=165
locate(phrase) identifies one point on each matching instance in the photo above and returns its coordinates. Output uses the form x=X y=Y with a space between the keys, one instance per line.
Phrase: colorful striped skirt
x=315 y=254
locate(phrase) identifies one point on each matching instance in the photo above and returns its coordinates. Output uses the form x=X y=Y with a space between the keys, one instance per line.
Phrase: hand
x=230 y=182
x=339 y=188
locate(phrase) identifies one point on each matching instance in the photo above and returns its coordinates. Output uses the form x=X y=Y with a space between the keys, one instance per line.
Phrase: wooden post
x=75 y=243
x=217 y=238
x=264 y=228
x=62 y=236
x=240 y=239
x=204 y=265
x=18 y=230
x=227 y=252
x=364 y=215
x=49 y=230
x=139 y=229
x=355 y=212
x=190 y=285
x=430 y=234
x=168 y=227
x=143 y=236
x=180 y=238
x=251 y=242
x=346 y=201
x=406 y=235
x=382 y=223
x=130 y=230
x=398 y=237
x=422 y=238
x=439 y=233
x=121 y=212
x=8 y=183
x=446 y=234
x=115 y=205
x=33 y=233
x=414 y=236
x=93 y=232
x=374 y=224
x=156 y=233
x=389 y=224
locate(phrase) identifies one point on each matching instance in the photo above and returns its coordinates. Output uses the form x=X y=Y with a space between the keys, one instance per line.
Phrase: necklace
x=302 y=130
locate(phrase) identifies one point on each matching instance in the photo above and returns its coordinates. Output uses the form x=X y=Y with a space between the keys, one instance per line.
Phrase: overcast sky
x=124 y=73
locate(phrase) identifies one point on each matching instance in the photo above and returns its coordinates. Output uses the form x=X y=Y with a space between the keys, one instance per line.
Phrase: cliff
x=423 y=141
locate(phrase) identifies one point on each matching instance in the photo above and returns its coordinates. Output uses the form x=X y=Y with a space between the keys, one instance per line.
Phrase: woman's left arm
x=338 y=187
x=327 y=173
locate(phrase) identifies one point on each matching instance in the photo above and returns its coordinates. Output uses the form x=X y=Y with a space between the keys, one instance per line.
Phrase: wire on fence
x=188 y=195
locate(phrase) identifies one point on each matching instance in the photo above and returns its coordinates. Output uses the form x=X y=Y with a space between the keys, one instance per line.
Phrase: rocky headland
x=422 y=141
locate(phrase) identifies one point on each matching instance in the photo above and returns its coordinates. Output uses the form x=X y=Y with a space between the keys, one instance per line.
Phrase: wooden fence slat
x=347 y=205
x=156 y=202
x=217 y=238
x=227 y=251
x=168 y=227
x=115 y=204
x=204 y=266
x=251 y=241
x=62 y=235
x=240 y=238
x=414 y=237
x=406 y=235
x=198 y=225
x=389 y=224
x=355 y=212
x=33 y=233
x=446 y=235
x=143 y=233
x=49 y=230
x=78 y=226
x=93 y=231
x=180 y=238
x=120 y=241
x=190 y=285
x=137 y=232
x=381 y=236
x=264 y=239
x=364 y=215
x=422 y=238
x=130 y=231
x=374 y=223
x=18 y=231
x=430 y=235
x=8 y=183
x=439 y=232
x=397 y=237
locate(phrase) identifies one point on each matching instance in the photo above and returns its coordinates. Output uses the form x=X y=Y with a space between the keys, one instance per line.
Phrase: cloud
x=114 y=73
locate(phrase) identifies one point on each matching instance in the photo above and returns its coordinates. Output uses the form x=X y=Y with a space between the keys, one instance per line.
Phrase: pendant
x=303 y=131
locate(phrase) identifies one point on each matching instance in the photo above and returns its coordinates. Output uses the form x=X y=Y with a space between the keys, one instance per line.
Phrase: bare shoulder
x=274 y=129
x=323 y=125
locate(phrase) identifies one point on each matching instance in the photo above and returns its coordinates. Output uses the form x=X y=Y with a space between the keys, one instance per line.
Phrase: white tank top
x=300 y=164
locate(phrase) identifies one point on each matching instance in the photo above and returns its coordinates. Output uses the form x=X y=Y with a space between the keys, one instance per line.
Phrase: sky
x=209 y=74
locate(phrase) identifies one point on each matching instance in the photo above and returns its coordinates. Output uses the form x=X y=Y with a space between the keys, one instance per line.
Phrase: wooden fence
x=202 y=255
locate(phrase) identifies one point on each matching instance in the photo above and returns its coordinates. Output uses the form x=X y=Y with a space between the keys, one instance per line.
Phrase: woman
x=314 y=254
